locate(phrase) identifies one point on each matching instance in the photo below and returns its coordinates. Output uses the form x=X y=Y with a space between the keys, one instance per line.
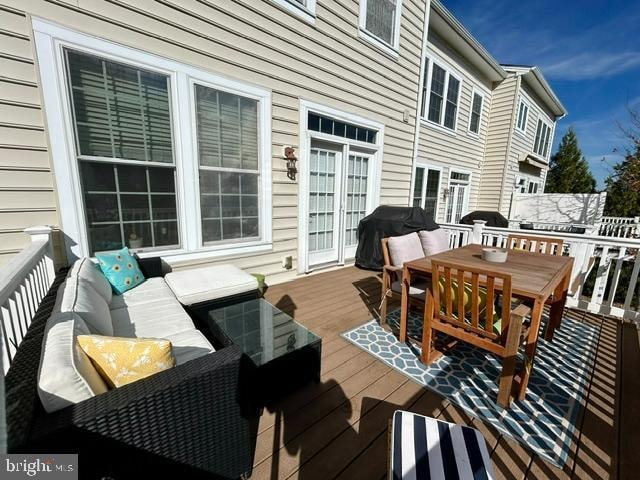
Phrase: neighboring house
x=521 y=129
x=163 y=126
x=458 y=83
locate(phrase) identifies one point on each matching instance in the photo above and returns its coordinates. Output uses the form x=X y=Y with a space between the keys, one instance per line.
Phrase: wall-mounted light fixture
x=290 y=156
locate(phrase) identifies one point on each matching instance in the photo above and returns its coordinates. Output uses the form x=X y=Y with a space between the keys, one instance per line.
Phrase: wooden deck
x=338 y=428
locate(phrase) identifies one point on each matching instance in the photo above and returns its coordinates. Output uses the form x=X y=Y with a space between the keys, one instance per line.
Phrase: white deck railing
x=622 y=227
x=24 y=282
x=616 y=260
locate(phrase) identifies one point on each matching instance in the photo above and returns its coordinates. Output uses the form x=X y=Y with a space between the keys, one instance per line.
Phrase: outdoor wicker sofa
x=192 y=420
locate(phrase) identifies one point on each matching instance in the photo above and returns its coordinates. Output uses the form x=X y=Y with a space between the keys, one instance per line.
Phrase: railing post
x=476 y=234
x=42 y=233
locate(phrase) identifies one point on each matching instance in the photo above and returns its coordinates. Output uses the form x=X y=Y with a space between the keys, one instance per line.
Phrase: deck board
x=339 y=428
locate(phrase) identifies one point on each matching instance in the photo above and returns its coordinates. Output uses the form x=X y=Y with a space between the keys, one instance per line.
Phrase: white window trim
x=431 y=58
x=392 y=50
x=305 y=12
x=50 y=40
x=522 y=100
x=528 y=179
x=427 y=167
x=551 y=126
x=376 y=149
x=474 y=92
x=465 y=206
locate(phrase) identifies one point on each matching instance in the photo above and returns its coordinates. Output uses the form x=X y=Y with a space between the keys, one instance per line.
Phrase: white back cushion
x=434 y=242
x=66 y=375
x=87 y=271
x=405 y=248
x=79 y=297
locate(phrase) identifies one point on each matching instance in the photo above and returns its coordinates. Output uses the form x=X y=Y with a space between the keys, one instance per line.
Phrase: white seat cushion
x=434 y=242
x=405 y=248
x=88 y=272
x=210 y=283
x=66 y=375
x=153 y=320
x=189 y=345
x=417 y=289
x=150 y=291
x=78 y=296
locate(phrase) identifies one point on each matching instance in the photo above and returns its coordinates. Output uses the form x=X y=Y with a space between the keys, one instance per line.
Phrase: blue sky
x=589 y=51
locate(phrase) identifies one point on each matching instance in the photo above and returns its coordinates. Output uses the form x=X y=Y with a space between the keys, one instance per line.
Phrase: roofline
x=552 y=99
x=470 y=40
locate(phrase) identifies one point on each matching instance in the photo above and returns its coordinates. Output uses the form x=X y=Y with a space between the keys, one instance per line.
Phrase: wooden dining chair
x=546 y=245
x=462 y=304
x=392 y=284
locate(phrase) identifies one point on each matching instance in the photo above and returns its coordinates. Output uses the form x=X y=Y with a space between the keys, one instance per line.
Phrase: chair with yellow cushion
x=546 y=245
x=464 y=307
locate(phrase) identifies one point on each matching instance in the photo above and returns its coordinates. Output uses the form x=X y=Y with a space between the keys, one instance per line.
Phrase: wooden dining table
x=535 y=277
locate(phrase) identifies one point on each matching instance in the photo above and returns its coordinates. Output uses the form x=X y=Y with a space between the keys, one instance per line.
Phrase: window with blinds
x=444 y=95
x=380 y=19
x=124 y=146
x=227 y=134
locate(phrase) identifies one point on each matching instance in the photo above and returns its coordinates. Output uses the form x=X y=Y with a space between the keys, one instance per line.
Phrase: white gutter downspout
x=416 y=135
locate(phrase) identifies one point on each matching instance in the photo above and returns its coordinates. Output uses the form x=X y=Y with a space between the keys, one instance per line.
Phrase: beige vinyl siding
x=260 y=43
x=500 y=129
x=26 y=184
x=460 y=150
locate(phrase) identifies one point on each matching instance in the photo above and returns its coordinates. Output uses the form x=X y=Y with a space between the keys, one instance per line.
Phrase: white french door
x=458 y=196
x=325 y=179
x=339 y=190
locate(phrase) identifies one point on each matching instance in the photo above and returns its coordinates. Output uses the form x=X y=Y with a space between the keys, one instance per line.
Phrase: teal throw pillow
x=121 y=269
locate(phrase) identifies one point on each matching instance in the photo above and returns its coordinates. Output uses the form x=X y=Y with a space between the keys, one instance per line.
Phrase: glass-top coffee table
x=283 y=354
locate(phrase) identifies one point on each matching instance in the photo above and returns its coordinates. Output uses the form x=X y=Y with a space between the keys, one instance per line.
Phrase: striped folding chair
x=426 y=448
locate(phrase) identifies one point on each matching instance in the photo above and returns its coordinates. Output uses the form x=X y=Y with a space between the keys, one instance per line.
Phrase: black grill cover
x=387 y=221
x=493 y=219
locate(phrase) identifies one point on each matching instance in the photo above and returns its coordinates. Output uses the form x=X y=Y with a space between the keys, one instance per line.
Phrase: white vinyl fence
x=614 y=262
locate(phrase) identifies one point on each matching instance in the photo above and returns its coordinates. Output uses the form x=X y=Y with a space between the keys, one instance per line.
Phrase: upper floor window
x=542 y=139
x=305 y=9
x=443 y=93
x=523 y=114
x=476 y=113
x=380 y=23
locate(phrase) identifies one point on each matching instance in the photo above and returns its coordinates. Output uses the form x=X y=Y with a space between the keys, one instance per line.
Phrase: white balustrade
x=24 y=282
x=617 y=263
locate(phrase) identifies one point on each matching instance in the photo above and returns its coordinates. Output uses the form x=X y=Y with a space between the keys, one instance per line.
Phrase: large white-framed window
x=136 y=139
x=523 y=116
x=440 y=95
x=426 y=188
x=379 y=23
x=457 y=195
x=475 y=115
x=542 y=139
x=305 y=9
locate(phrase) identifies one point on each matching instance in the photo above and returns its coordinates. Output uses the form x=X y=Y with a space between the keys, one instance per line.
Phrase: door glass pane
x=357 y=184
x=321 y=199
x=431 y=192
x=417 y=187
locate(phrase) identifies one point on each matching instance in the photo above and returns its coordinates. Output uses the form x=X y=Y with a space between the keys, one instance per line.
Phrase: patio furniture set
x=230 y=353
x=497 y=307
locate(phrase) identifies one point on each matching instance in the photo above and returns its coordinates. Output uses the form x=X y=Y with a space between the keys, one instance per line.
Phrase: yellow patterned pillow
x=124 y=360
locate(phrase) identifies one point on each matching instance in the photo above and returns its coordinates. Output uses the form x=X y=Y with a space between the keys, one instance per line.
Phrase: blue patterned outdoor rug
x=545 y=421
